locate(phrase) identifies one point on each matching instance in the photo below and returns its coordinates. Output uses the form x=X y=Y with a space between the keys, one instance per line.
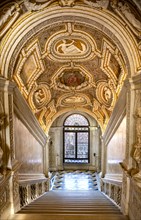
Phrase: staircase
x=70 y=205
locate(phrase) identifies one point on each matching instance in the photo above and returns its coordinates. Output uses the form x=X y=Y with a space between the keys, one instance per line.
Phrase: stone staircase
x=70 y=205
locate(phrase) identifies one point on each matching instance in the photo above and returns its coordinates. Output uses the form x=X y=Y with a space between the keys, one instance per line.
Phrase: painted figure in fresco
x=72 y=80
x=70 y=48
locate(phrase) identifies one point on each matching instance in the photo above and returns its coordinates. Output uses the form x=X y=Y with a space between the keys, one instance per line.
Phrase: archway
x=56 y=144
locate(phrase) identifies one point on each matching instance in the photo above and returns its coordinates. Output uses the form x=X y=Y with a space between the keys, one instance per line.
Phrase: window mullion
x=75 y=145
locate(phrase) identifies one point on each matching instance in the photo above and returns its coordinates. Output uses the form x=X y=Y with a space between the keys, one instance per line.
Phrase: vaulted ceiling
x=70 y=62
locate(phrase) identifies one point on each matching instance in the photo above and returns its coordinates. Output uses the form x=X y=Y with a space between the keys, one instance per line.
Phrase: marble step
x=70 y=205
x=41 y=216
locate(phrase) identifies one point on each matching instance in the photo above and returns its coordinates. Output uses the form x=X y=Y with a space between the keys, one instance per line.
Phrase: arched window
x=76 y=139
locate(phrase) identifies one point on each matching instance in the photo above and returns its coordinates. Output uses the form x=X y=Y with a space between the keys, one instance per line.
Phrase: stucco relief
x=97 y=4
x=4 y=196
x=2 y=122
x=72 y=78
x=124 y=10
x=67 y=2
x=29 y=68
x=137 y=146
x=30 y=6
x=105 y=94
x=1 y=150
x=39 y=97
x=70 y=45
x=9 y=14
x=73 y=99
x=70 y=60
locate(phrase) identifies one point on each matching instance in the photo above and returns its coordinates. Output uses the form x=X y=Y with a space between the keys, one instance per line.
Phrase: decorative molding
x=117 y=116
x=7 y=85
x=24 y=113
x=23 y=177
x=11 y=115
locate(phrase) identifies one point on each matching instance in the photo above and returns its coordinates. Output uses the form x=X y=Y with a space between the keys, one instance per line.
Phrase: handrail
x=113 y=189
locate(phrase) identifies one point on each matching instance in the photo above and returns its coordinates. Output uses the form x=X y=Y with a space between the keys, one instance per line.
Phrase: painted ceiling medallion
x=72 y=78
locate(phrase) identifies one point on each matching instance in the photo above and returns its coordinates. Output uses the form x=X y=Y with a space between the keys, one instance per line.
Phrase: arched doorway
x=64 y=125
x=76 y=139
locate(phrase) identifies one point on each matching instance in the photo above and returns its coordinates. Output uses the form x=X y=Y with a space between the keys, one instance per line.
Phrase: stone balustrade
x=30 y=190
x=112 y=189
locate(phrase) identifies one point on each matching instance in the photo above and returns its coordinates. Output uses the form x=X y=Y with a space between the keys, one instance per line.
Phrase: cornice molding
x=24 y=113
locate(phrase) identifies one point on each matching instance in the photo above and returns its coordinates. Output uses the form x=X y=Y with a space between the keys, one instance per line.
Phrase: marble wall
x=116 y=149
x=27 y=149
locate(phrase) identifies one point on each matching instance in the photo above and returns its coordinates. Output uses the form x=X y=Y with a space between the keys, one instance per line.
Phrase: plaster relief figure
x=35 y=7
x=74 y=99
x=98 y=3
x=137 y=146
x=67 y=3
x=71 y=48
x=126 y=11
x=107 y=93
x=39 y=96
x=2 y=118
x=9 y=13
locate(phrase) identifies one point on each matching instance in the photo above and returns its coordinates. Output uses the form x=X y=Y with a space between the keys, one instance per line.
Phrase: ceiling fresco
x=71 y=65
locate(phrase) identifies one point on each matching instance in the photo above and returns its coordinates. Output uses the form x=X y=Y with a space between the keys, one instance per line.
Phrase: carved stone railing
x=30 y=190
x=112 y=189
x=5 y=203
x=52 y=179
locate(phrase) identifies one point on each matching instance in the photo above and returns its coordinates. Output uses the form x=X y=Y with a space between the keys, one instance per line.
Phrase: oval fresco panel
x=77 y=47
x=70 y=47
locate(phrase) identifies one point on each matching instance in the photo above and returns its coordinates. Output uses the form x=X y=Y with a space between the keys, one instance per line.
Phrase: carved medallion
x=70 y=47
x=106 y=95
x=39 y=96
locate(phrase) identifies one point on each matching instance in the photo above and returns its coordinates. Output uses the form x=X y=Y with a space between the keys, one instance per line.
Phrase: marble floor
x=75 y=180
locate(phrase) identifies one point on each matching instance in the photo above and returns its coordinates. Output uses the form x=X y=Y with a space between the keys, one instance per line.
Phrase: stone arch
x=30 y=24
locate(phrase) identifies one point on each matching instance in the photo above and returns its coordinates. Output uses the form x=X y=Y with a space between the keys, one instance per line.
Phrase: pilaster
x=130 y=166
